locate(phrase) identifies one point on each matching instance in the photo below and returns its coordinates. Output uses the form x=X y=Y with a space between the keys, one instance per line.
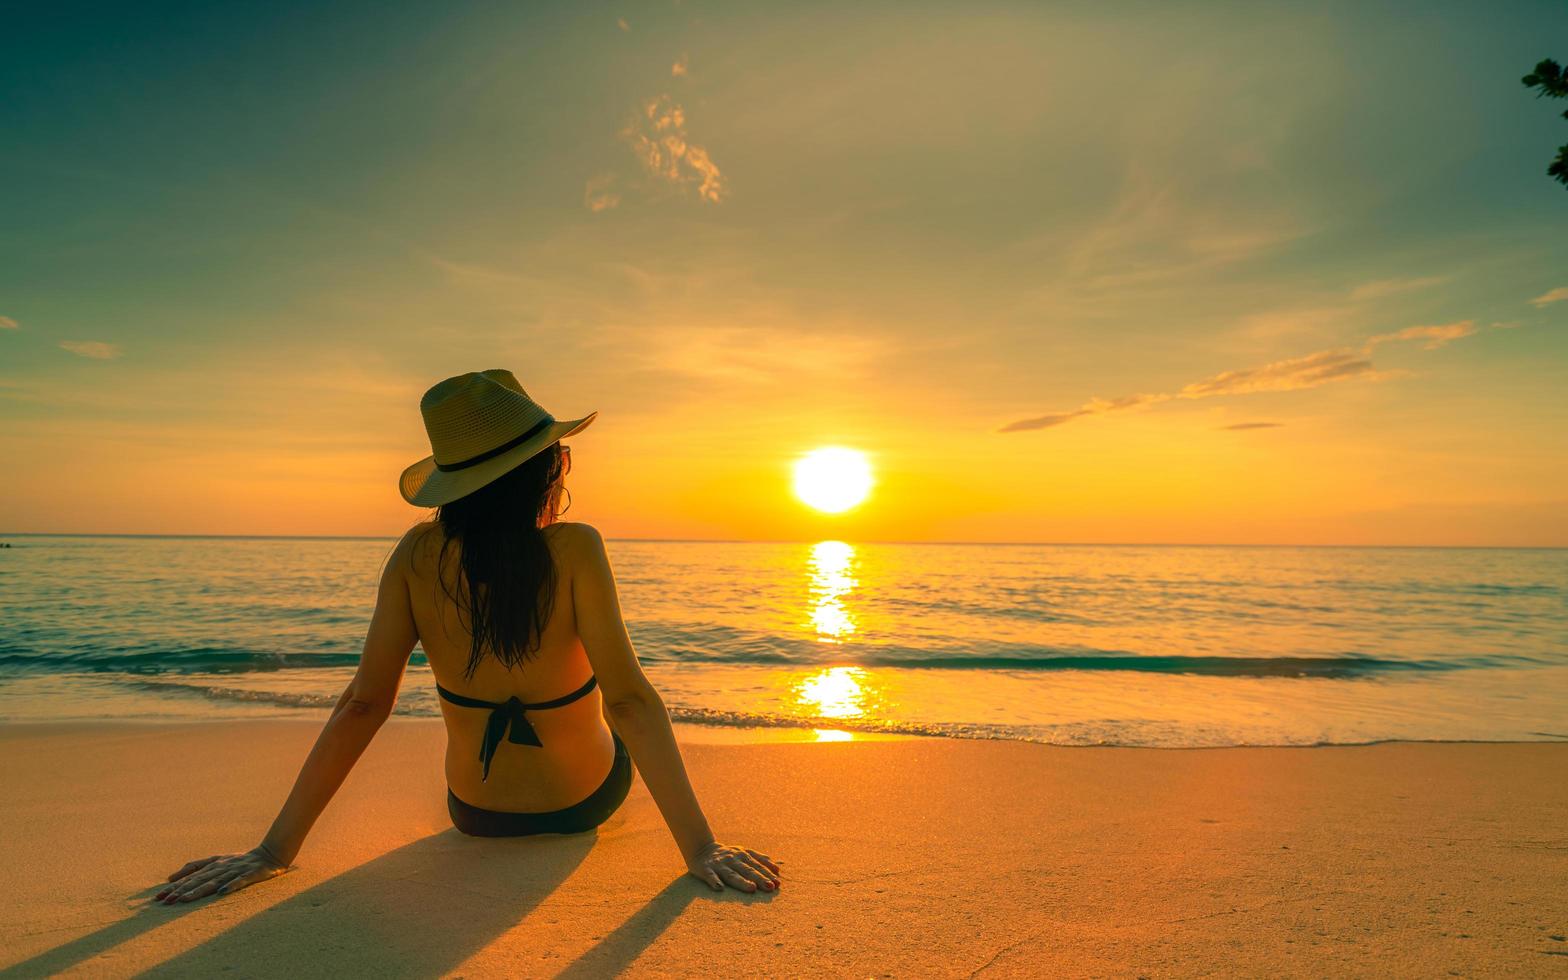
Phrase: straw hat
x=481 y=425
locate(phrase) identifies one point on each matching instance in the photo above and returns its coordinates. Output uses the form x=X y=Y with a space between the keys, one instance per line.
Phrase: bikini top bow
x=507 y=720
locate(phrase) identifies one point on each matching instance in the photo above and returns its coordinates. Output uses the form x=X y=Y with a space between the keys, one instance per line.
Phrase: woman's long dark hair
x=507 y=586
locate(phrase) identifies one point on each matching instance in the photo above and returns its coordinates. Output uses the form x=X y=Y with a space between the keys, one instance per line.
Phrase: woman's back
x=576 y=750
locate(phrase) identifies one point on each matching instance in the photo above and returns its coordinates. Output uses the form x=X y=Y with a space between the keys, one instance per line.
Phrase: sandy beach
x=919 y=857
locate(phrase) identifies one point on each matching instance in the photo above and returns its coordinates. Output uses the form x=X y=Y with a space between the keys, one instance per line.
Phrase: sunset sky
x=1144 y=272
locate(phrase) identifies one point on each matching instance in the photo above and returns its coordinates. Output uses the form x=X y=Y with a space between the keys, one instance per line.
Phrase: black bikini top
x=508 y=714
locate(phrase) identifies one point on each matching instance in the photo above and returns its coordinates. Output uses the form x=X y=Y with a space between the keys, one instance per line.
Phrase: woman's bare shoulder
x=420 y=544
x=575 y=537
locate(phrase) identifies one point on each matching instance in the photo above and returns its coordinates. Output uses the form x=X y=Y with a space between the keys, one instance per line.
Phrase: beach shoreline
x=906 y=857
x=718 y=733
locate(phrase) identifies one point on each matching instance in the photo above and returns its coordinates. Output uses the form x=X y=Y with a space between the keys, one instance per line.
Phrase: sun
x=832 y=479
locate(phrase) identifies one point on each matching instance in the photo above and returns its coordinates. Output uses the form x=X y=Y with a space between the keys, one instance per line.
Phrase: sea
x=1166 y=646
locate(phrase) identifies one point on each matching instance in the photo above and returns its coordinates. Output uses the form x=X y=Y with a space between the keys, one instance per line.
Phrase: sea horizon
x=815 y=539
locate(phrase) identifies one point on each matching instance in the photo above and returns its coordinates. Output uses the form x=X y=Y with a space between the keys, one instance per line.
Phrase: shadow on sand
x=417 y=911
x=420 y=910
x=616 y=951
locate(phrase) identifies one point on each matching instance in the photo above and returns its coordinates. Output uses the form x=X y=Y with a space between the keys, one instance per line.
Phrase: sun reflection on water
x=831 y=566
x=833 y=692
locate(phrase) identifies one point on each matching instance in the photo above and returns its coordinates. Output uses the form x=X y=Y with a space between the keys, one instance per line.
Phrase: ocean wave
x=213 y=660
x=1110 y=733
x=281 y=699
x=195 y=660
x=1348 y=666
x=1029 y=660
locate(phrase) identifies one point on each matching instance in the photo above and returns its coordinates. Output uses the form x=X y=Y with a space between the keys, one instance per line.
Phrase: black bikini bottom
x=575 y=819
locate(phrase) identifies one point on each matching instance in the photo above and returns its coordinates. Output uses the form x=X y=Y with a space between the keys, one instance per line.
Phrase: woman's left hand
x=739 y=867
x=223 y=873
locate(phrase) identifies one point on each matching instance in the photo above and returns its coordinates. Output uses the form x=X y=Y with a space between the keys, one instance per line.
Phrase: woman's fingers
x=746 y=863
x=243 y=879
x=225 y=884
x=172 y=895
x=201 y=890
x=756 y=874
x=767 y=879
x=223 y=874
x=195 y=888
x=760 y=861
x=235 y=883
x=767 y=862
x=194 y=875
x=735 y=879
x=740 y=868
x=192 y=866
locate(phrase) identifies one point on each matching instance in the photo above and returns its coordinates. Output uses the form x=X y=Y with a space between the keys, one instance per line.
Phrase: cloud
x=1239 y=426
x=1435 y=337
x=679 y=69
x=1094 y=406
x=658 y=137
x=1041 y=421
x=6 y=323
x=1097 y=406
x=621 y=23
x=597 y=195
x=1551 y=296
x=1389 y=287
x=95 y=349
x=1291 y=374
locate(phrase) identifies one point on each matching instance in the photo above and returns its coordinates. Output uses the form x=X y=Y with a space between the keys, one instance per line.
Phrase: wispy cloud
x=659 y=139
x=1094 y=406
x=621 y=23
x=680 y=68
x=6 y=323
x=1041 y=421
x=1551 y=296
x=1389 y=287
x=598 y=194
x=1435 y=337
x=1291 y=374
x=95 y=349
x=1240 y=426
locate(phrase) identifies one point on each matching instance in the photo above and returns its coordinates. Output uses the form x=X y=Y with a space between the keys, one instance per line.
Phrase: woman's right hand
x=739 y=867
x=222 y=874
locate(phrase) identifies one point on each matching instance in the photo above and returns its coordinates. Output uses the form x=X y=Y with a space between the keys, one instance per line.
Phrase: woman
x=545 y=704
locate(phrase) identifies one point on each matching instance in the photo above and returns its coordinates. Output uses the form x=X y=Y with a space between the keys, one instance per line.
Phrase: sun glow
x=832 y=479
x=833 y=692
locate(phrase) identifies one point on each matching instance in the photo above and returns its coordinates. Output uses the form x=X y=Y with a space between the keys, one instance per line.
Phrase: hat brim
x=425 y=486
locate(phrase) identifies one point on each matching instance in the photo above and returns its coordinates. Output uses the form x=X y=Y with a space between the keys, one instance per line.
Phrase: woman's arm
x=640 y=718
x=359 y=714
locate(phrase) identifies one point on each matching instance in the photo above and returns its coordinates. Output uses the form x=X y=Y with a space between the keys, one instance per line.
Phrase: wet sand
x=919 y=857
